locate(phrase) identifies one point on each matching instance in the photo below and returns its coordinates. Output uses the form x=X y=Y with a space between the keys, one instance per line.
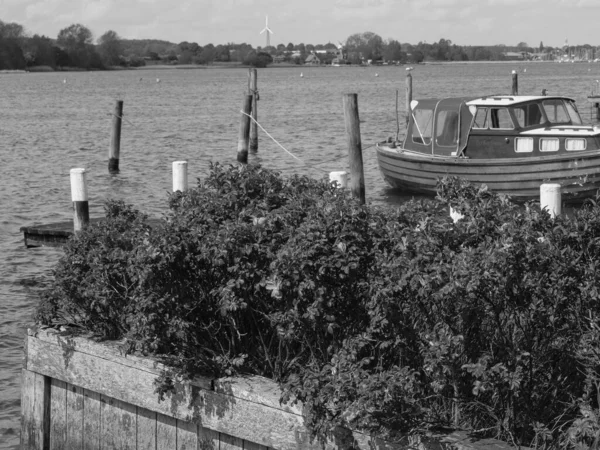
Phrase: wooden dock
x=57 y=234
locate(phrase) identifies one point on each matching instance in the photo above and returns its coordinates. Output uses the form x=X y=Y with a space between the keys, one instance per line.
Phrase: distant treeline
x=75 y=48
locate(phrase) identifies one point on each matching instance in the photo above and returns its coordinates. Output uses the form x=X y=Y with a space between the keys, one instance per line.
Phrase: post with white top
x=357 y=176
x=408 y=96
x=79 y=196
x=180 y=176
x=253 y=126
x=515 y=83
x=115 y=140
x=550 y=199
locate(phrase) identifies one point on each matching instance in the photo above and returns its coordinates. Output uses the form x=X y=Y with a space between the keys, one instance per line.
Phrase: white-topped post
x=79 y=196
x=550 y=198
x=341 y=178
x=180 y=176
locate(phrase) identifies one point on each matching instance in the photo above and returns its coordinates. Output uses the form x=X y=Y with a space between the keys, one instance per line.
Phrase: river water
x=52 y=122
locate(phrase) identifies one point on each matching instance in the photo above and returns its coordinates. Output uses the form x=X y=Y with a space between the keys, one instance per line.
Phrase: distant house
x=514 y=56
x=312 y=60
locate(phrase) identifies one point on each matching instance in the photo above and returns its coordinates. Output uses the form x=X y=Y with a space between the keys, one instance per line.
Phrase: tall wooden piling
x=180 y=176
x=357 y=176
x=408 y=96
x=244 y=135
x=515 y=83
x=115 y=140
x=79 y=196
x=253 y=125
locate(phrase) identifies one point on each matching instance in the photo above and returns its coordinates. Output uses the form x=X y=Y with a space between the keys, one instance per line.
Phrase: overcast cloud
x=464 y=22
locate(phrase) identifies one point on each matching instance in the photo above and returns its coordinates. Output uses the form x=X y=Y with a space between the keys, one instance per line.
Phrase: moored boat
x=513 y=144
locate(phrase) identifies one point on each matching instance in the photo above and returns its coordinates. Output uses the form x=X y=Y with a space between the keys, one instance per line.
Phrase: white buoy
x=341 y=178
x=550 y=198
x=180 y=176
x=65 y=81
x=301 y=75
x=158 y=80
x=376 y=74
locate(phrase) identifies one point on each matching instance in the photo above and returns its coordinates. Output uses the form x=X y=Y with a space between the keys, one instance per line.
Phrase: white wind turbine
x=268 y=30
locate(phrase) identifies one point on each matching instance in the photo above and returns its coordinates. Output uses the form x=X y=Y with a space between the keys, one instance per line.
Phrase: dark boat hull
x=578 y=174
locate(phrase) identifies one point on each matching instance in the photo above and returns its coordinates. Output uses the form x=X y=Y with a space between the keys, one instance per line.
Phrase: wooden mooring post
x=253 y=90
x=515 y=83
x=244 y=135
x=79 y=196
x=115 y=141
x=357 y=176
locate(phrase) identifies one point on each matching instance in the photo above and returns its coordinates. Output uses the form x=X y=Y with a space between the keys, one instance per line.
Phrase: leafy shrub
x=390 y=321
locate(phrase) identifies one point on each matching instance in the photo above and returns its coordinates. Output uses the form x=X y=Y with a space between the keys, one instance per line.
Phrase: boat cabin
x=499 y=126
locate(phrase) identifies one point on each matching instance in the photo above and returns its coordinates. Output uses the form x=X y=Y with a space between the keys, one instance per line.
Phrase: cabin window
x=573 y=113
x=493 y=118
x=549 y=144
x=423 y=126
x=447 y=128
x=575 y=144
x=479 y=120
x=523 y=145
x=528 y=115
x=556 y=111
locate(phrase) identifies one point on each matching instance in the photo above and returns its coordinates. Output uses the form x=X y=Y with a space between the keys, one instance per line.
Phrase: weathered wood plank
x=187 y=435
x=146 y=429
x=91 y=420
x=28 y=424
x=166 y=432
x=226 y=410
x=117 y=425
x=75 y=407
x=254 y=446
x=58 y=415
x=230 y=442
x=208 y=439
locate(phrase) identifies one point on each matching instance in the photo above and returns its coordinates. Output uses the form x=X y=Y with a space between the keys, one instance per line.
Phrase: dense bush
x=387 y=320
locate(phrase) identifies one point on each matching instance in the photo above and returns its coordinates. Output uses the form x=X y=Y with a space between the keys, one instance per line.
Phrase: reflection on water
x=49 y=127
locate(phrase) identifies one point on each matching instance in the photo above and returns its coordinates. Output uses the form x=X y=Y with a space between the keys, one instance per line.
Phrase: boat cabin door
x=451 y=130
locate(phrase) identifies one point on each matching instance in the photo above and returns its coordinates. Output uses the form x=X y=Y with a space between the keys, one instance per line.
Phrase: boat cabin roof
x=511 y=100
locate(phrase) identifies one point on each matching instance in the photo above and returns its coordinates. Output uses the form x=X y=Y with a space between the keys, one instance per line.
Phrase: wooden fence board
x=166 y=432
x=58 y=414
x=75 y=416
x=118 y=424
x=92 y=419
x=230 y=442
x=187 y=435
x=208 y=439
x=28 y=423
x=146 y=429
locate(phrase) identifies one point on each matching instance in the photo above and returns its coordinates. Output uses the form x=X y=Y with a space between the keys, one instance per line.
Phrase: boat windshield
x=560 y=112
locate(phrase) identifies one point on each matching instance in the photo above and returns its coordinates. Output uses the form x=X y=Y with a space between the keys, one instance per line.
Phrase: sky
x=464 y=22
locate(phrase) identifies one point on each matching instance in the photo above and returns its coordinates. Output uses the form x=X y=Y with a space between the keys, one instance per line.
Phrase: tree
x=364 y=46
x=74 y=40
x=393 y=51
x=41 y=51
x=11 y=51
x=260 y=59
x=110 y=48
x=290 y=47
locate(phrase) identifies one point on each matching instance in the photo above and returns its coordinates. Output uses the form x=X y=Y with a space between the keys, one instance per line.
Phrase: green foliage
x=389 y=321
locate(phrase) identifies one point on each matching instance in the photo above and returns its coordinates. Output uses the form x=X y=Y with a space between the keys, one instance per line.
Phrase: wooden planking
x=245 y=408
x=166 y=432
x=254 y=446
x=187 y=435
x=230 y=442
x=208 y=439
x=92 y=419
x=28 y=423
x=117 y=425
x=75 y=417
x=146 y=429
x=58 y=414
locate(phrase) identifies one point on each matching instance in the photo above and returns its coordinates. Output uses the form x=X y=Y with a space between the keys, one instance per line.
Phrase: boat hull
x=578 y=174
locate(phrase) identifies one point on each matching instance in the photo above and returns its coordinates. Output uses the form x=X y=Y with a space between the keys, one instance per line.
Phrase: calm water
x=50 y=123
